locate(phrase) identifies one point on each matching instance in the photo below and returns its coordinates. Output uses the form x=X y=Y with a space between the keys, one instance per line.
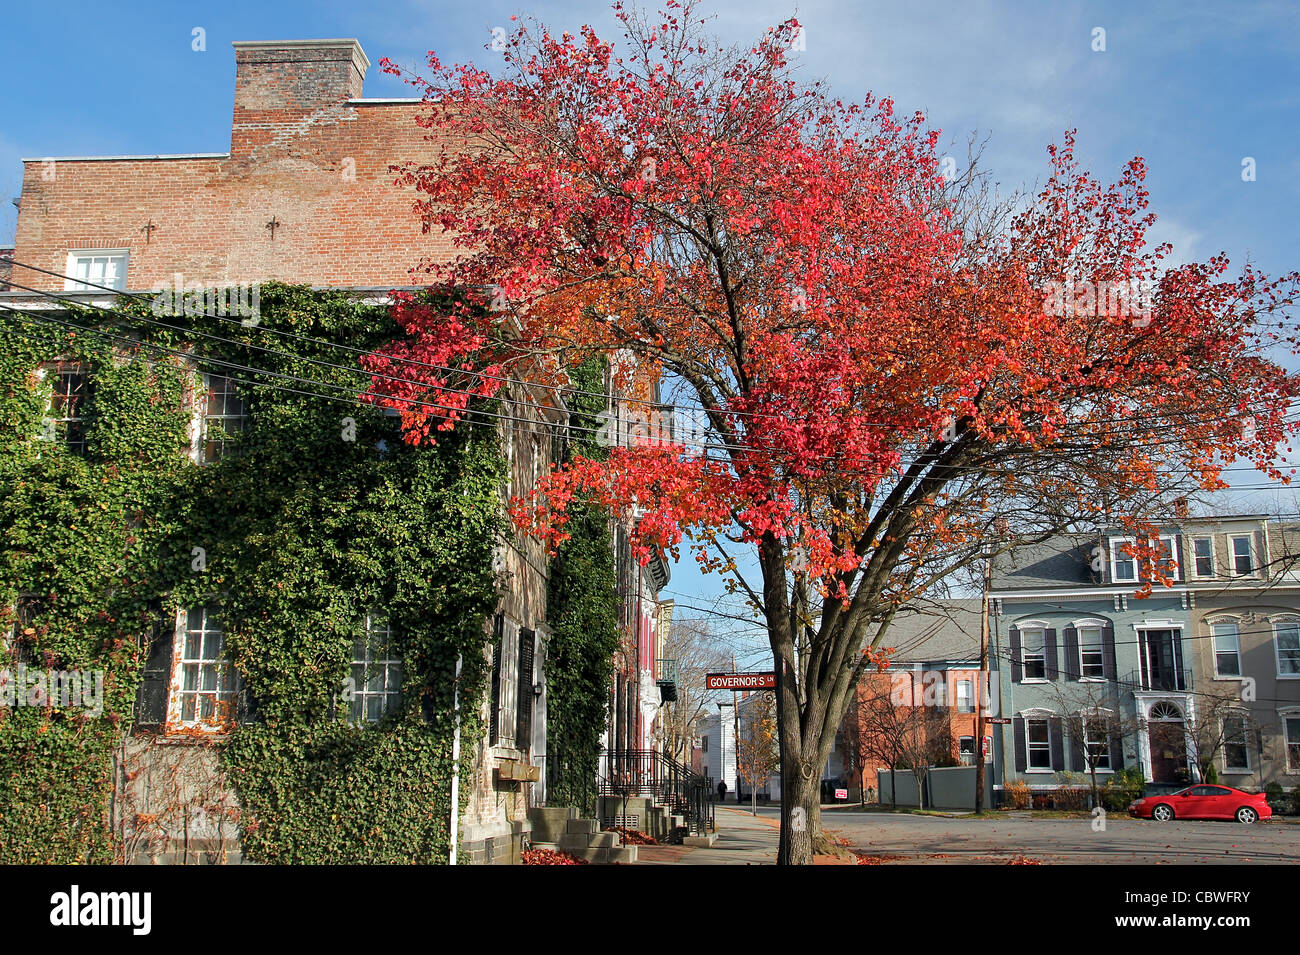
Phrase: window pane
x=1241 y=555
x=1288 y=647
x=1204 y=556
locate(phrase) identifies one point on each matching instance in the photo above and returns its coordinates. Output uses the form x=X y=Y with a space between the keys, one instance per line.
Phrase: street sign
x=740 y=681
x=841 y=794
x=998 y=720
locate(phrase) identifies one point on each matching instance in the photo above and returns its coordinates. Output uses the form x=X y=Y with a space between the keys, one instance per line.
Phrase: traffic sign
x=740 y=681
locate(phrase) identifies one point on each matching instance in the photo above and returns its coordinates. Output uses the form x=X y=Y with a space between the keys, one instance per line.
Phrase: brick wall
x=304 y=151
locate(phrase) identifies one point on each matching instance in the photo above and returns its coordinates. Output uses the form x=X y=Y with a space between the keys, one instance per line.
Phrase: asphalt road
x=944 y=840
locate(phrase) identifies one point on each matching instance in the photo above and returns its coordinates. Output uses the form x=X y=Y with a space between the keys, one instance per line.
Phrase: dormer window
x=1123 y=566
x=1243 y=561
x=1203 y=555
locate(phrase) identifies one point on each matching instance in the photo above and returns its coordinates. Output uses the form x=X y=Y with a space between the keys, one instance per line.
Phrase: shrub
x=1017 y=794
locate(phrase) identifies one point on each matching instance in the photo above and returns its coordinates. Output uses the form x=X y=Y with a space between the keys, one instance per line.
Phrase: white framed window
x=966 y=750
x=1123 y=567
x=224 y=416
x=965 y=696
x=1291 y=739
x=1236 y=752
x=376 y=674
x=1243 y=561
x=69 y=384
x=1203 y=556
x=1092 y=661
x=1096 y=740
x=1033 y=652
x=204 y=687
x=1227 y=648
x=1038 y=744
x=1286 y=646
x=88 y=268
x=1167 y=560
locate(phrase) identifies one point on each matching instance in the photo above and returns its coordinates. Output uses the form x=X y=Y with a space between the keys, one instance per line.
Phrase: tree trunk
x=801 y=808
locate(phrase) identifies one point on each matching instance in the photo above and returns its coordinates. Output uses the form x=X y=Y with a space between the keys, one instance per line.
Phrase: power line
x=506 y=379
x=423 y=403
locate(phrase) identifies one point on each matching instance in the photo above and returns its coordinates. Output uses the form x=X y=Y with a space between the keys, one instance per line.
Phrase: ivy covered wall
x=291 y=539
x=583 y=603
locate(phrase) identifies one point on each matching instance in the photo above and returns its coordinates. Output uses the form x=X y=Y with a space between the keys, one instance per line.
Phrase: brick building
x=934 y=670
x=306 y=195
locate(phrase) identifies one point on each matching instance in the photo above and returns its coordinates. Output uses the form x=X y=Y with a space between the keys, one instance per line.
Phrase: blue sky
x=1194 y=88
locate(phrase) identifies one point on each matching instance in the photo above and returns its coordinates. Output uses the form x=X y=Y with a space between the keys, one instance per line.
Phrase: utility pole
x=982 y=694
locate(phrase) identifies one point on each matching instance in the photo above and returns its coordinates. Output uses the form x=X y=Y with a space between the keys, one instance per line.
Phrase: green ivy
x=582 y=607
x=303 y=530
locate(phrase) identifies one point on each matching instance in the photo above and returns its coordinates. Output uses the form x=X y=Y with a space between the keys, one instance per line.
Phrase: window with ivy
x=376 y=674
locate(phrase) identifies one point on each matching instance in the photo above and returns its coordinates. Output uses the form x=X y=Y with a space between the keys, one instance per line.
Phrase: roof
x=936 y=631
x=1059 y=562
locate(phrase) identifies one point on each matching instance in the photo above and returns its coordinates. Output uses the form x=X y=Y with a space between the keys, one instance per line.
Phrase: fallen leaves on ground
x=634 y=837
x=551 y=857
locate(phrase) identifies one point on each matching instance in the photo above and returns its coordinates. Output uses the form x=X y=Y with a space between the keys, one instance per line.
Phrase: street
x=889 y=838
x=1124 y=840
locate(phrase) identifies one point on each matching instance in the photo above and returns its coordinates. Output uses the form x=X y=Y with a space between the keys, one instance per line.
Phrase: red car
x=1203 y=802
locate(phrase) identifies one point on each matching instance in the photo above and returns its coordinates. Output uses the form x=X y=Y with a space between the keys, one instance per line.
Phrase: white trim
x=1115 y=545
x=120 y=158
x=1195 y=574
x=1221 y=621
x=1284 y=617
x=1245 y=742
x=176 y=680
x=1249 y=537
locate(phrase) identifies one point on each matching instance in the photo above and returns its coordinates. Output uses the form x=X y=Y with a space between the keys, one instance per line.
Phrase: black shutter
x=1018 y=731
x=524 y=698
x=1016 y=667
x=1178 y=557
x=498 y=637
x=1053 y=671
x=1108 y=652
x=1073 y=668
x=1077 y=761
x=155 y=680
x=1116 y=752
x=1058 y=743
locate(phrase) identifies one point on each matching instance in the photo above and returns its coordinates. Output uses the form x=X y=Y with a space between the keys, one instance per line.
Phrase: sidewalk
x=742 y=840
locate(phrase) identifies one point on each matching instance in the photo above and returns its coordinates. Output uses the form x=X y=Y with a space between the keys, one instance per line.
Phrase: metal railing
x=654 y=775
x=1161 y=680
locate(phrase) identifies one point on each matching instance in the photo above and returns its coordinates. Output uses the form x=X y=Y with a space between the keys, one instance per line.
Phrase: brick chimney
x=280 y=83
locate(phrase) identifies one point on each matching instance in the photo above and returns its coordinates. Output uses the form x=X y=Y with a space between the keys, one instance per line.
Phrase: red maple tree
x=888 y=367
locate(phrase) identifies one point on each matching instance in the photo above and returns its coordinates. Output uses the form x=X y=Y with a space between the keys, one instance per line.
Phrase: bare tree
x=1091 y=718
x=1220 y=725
x=757 y=757
x=697 y=651
x=901 y=727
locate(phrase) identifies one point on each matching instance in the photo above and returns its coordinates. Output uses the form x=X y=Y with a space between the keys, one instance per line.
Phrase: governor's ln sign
x=740 y=681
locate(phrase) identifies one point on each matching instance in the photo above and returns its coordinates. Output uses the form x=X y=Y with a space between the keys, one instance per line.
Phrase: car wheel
x=1162 y=813
x=1247 y=815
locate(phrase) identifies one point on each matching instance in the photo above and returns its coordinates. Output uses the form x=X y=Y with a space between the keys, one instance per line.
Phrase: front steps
x=561 y=829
